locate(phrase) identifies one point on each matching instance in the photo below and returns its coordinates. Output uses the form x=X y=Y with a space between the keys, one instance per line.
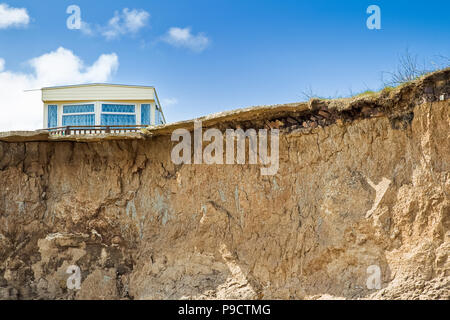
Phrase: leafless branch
x=408 y=69
x=308 y=93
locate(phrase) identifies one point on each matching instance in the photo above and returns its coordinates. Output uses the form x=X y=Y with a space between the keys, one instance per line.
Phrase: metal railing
x=83 y=130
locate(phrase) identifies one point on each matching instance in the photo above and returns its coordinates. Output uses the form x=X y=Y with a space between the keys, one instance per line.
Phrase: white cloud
x=182 y=37
x=168 y=102
x=86 y=28
x=126 y=22
x=13 y=17
x=23 y=110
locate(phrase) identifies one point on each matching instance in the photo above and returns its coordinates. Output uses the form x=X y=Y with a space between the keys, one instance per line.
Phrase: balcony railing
x=84 y=130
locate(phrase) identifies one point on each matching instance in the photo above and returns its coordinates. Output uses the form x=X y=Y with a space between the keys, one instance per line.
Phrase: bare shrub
x=408 y=69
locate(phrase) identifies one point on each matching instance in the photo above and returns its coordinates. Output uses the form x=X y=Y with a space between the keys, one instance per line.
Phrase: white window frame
x=61 y=110
x=46 y=115
x=46 y=105
x=153 y=113
x=150 y=103
x=98 y=111
x=137 y=110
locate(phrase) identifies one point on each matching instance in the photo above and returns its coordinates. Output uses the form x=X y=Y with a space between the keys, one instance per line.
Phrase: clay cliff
x=362 y=182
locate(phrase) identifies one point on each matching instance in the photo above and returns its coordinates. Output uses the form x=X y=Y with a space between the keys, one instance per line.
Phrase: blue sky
x=248 y=52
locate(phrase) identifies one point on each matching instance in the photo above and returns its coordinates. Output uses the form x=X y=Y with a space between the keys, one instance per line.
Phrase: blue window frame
x=52 y=116
x=145 y=114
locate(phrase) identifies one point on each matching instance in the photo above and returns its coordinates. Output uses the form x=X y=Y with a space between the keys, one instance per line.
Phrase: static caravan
x=101 y=105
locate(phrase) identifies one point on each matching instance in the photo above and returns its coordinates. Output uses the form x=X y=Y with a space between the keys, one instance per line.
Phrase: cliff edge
x=362 y=191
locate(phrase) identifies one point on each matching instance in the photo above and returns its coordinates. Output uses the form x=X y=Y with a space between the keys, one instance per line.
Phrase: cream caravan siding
x=98 y=92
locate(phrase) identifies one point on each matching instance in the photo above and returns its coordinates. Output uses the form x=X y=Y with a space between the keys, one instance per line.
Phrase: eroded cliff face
x=355 y=188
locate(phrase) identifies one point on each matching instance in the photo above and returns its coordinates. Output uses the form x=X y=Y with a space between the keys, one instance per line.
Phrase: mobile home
x=101 y=105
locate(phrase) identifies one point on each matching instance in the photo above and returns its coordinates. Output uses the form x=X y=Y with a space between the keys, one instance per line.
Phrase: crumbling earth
x=362 y=182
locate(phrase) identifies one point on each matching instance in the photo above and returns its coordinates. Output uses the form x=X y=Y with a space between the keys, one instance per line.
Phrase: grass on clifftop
x=407 y=71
